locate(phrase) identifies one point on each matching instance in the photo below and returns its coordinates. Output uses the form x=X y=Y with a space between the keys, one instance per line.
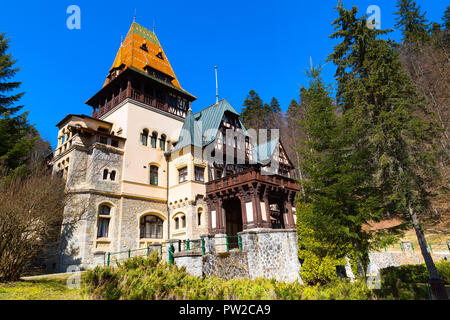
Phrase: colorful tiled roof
x=131 y=53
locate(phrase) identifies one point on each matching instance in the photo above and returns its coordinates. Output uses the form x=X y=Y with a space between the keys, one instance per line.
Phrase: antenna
x=134 y=19
x=311 y=63
x=217 y=86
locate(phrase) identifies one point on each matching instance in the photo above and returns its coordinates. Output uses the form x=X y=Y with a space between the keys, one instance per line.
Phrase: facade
x=144 y=169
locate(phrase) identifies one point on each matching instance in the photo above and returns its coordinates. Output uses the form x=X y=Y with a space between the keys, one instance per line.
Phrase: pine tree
x=16 y=138
x=412 y=22
x=446 y=18
x=275 y=119
x=253 y=112
x=294 y=115
x=338 y=197
x=381 y=108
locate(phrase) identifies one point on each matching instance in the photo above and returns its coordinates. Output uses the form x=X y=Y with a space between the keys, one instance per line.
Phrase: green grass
x=54 y=288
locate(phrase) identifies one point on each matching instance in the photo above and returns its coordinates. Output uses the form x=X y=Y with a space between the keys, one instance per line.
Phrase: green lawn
x=54 y=288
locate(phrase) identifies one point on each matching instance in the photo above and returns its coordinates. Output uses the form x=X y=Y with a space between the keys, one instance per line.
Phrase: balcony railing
x=251 y=175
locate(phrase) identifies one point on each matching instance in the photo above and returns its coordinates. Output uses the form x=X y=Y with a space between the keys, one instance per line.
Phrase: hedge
x=150 y=278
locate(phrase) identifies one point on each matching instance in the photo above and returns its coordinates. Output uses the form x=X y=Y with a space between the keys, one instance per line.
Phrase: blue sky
x=260 y=45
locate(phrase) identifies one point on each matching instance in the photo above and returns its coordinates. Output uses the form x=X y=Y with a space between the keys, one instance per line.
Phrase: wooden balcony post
x=289 y=214
x=242 y=199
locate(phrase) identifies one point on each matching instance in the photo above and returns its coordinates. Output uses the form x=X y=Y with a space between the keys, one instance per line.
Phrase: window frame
x=152 y=169
x=183 y=174
x=155 y=227
x=144 y=135
x=104 y=218
x=162 y=142
x=196 y=171
x=153 y=139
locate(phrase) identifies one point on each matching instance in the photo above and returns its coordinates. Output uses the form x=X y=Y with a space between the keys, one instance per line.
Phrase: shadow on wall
x=67 y=251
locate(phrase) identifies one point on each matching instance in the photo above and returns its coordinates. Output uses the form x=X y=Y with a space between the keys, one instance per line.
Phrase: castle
x=145 y=169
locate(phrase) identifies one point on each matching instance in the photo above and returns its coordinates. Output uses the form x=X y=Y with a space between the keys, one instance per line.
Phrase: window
x=159 y=55
x=154 y=175
x=103 y=221
x=115 y=143
x=151 y=227
x=183 y=222
x=103 y=226
x=218 y=173
x=153 y=139
x=144 y=137
x=182 y=174
x=177 y=223
x=199 y=216
x=112 y=175
x=105 y=174
x=105 y=210
x=103 y=140
x=162 y=143
x=199 y=174
x=144 y=47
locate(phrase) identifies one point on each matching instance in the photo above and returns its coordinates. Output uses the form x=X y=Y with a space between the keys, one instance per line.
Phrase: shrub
x=408 y=281
x=145 y=279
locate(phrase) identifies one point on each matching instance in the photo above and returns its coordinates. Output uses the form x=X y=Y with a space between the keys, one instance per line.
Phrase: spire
x=141 y=48
x=217 y=86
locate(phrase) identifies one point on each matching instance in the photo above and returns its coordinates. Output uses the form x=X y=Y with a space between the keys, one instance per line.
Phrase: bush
x=409 y=281
x=149 y=278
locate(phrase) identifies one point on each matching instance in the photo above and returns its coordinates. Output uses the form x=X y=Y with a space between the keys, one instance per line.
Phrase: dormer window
x=159 y=55
x=144 y=47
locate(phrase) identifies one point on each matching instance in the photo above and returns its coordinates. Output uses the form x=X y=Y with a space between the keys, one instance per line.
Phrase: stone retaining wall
x=266 y=253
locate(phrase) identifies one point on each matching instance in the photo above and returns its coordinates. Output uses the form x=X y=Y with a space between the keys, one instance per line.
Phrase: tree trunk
x=436 y=283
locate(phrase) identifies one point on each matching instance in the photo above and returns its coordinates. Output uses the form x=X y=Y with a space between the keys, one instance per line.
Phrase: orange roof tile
x=131 y=54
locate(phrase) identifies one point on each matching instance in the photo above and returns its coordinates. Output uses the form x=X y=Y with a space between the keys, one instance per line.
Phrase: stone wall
x=380 y=260
x=226 y=265
x=192 y=261
x=272 y=254
x=265 y=253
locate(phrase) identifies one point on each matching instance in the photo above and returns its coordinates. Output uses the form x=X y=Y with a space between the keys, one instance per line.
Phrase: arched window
x=144 y=137
x=153 y=139
x=103 y=221
x=105 y=174
x=183 y=221
x=162 y=142
x=199 y=216
x=151 y=227
x=113 y=175
x=177 y=223
x=154 y=175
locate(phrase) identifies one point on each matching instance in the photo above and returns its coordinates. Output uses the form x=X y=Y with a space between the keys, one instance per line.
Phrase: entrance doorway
x=233 y=217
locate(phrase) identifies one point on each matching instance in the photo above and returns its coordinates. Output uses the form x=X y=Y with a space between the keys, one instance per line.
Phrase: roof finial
x=217 y=86
x=134 y=18
x=311 y=63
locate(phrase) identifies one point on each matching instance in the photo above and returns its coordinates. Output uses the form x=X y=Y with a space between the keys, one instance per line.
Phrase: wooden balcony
x=248 y=177
x=133 y=94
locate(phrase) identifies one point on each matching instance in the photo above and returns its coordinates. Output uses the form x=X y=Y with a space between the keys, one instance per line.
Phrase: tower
x=141 y=71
